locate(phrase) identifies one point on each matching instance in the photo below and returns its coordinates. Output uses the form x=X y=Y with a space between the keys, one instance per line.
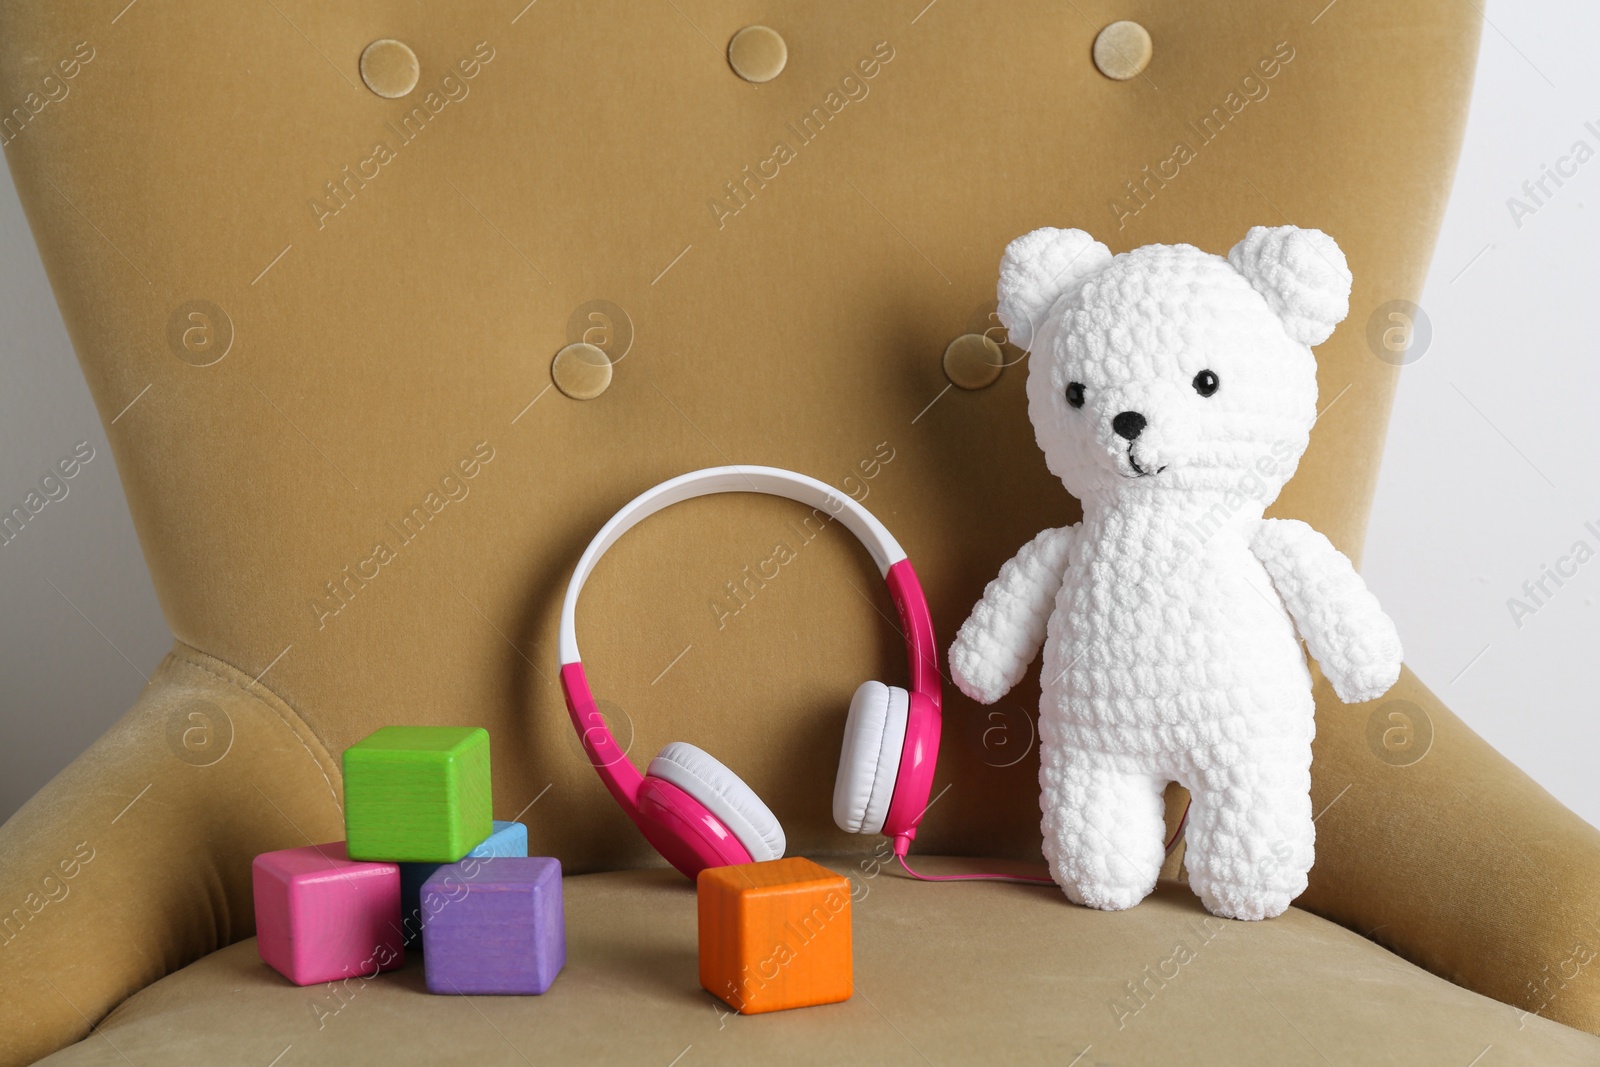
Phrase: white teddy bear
x=1172 y=392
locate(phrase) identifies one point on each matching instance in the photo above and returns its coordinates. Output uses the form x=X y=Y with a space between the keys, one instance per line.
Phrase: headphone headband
x=771 y=481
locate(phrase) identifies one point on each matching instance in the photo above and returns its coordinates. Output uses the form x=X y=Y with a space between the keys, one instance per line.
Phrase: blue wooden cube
x=508 y=839
x=494 y=925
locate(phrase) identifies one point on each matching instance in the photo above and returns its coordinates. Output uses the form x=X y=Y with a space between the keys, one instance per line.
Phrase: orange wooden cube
x=775 y=935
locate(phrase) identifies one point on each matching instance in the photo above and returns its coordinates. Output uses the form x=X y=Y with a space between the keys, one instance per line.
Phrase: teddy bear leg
x=1102 y=830
x=1250 y=835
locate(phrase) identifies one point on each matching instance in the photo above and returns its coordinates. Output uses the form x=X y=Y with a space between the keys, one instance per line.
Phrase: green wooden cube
x=417 y=793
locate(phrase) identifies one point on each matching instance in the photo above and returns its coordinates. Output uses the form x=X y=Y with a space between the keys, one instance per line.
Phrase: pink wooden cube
x=321 y=916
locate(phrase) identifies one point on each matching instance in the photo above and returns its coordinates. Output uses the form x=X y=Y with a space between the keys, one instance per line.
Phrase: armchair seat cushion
x=955 y=973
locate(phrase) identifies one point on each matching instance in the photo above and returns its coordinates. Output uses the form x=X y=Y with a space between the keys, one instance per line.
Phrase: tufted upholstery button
x=582 y=371
x=1122 y=50
x=389 y=68
x=973 y=361
x=757 y=53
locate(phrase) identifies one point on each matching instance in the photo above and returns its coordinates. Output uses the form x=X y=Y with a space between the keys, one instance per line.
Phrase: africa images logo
x=340 y=191
x=739 y=192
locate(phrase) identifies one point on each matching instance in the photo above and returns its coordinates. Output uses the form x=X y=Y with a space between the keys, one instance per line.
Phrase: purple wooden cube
x=494 y=925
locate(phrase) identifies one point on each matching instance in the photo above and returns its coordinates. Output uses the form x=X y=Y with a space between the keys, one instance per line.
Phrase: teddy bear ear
x=1036 y=270
x=1303 y=275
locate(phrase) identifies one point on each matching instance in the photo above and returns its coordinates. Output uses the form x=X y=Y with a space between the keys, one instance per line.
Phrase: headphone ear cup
x=869 y=761
x=724 y=794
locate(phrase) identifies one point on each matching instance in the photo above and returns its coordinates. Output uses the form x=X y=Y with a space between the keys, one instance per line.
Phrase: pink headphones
x=695 y=811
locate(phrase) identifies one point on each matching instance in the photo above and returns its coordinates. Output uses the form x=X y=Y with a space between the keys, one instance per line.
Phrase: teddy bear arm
x=1345 y=629
x=1006 y=629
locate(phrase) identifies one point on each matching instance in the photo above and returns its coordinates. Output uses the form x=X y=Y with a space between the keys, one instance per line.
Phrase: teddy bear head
x=1168 y=370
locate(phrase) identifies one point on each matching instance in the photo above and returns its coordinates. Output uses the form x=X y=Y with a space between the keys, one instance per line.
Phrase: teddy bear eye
x=1206 y=382
x=1075 y=394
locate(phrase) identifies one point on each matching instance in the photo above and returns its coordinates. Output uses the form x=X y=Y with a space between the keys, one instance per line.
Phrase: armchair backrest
x=355 y=480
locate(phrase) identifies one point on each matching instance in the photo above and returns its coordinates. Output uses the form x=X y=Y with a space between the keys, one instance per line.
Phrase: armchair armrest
x=1434 y=845
x=135 y=860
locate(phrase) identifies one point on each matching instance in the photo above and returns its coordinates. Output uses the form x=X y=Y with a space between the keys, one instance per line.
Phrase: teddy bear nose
x=1129 y=424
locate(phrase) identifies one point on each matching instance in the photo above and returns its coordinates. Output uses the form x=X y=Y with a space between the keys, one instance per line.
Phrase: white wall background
x=79 y=625
x=1492 y=468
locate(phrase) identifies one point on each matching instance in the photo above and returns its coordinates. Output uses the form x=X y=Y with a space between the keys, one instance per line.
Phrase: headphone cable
x=1025 y=879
